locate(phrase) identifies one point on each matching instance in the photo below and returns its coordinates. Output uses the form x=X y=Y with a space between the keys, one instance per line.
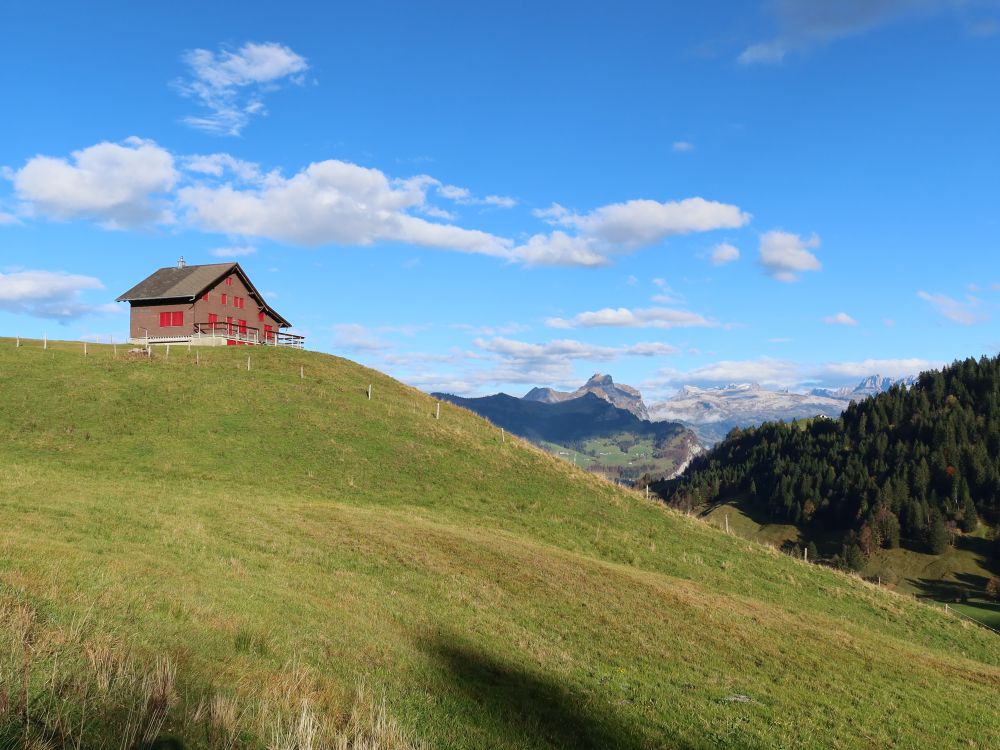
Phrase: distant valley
x=597 y=427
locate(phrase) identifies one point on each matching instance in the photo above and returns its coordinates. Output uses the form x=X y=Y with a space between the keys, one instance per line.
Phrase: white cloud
x=637 y=223
x=767 y=371
x=48 y=294
x=218 y=165
x=357 y=338
x=724 y=253
x=560 y=249
x=8 y=219
x=331 y=203
x=115 y=184
x=840 y=319
x=838 y=372
x=762 y=52
x=965 y=313
x=234 y=252
x=500 y=330
x=464 y=197
x=804 y=24
x=785 y=256
x=786 y=374
x=682 y=147
x=622 y=227
x=568 y=349
x=623 y=317
x=231 y=84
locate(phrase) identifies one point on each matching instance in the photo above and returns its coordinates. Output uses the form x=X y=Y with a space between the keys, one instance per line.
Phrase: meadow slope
x=232 y=558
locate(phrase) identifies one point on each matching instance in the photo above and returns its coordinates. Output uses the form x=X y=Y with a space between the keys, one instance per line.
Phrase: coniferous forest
x=906 y=467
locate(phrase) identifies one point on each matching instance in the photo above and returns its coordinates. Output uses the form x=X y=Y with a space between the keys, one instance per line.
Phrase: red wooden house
x=212 y=305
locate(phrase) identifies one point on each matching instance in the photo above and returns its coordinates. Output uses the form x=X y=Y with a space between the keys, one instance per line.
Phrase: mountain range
x=603 y=386
x=713 y=412
x=590 y=429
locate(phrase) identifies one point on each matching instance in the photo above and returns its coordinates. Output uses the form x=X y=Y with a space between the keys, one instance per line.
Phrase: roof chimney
x=181 y=263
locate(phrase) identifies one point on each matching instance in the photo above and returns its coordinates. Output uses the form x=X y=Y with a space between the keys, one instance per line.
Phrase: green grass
x=280 y=541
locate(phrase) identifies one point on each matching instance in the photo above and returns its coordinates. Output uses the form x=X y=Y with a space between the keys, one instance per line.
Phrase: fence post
x=503 y=437
x=18 y=344
x=167 y=355
x=45 y=341
x=437 y=414
x=84 y=348
x=805 y=554
x=248 y=364
x=727 y=523
x=369 y=391
x=197 y=358
x=302 y=372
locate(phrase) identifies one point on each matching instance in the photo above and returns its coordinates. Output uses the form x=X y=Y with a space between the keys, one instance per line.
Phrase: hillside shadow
x=529 y=710
x=981 y=548
x=967 y=586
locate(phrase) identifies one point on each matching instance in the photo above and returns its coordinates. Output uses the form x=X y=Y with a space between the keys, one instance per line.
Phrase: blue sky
x=479 y=198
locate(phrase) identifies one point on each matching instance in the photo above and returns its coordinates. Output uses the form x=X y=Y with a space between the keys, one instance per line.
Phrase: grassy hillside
x=234 y=558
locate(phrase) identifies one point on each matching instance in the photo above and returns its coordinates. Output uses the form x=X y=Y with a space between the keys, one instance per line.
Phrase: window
x=260 y=316
x=243 y=327
x=204 y=297
x=229 y=324
x=224 y=299
x=213 y=318
x=268 y=333
x=229 y=281
x=171 y=319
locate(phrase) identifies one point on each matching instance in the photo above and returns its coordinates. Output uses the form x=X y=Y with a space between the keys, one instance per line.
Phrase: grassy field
x=202 y=556
x=606 y=454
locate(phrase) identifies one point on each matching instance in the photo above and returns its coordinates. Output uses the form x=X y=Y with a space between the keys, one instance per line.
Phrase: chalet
x=212 y=305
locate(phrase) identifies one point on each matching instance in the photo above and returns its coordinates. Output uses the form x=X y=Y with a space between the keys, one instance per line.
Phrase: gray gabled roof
x=177 y=283
x=190 y=282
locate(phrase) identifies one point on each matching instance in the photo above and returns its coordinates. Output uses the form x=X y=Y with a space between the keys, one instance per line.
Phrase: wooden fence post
x=503 y=437
x=248 y=364
x=437 y=414
x=45 y=341
x=727 y=523
x=369 y=391
x=18 y=344
x=84 y=348
x=302 y=372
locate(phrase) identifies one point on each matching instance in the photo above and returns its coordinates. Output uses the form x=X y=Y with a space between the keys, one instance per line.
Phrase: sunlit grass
x=279 y=541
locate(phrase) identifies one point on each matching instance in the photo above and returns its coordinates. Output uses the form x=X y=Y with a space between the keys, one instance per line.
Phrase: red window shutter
x=164 y=319
x=205 y=297
x=223 y=299
x=178 y=318
x=213 y=318
x=229 y=325
x=243 y=326
x=260 y=316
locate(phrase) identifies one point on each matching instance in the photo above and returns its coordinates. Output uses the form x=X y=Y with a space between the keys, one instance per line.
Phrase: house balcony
x=227 y=334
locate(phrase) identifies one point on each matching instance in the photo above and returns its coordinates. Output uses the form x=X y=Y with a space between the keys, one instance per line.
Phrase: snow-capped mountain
x=603 y=386
x=713 y=412
x=870 y=386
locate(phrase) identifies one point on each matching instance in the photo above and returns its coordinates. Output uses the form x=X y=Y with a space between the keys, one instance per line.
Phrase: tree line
x=908 y=466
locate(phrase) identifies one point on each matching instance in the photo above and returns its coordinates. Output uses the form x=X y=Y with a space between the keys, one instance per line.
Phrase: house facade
x=210 y=305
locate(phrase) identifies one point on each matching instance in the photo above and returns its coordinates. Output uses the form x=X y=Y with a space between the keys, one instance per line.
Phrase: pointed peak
x=600 y=379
